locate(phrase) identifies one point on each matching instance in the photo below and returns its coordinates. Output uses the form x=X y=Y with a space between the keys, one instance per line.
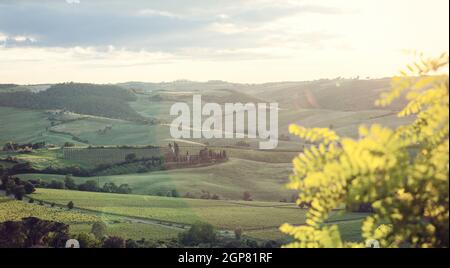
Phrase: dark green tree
x=99 y=230
x=124 y=189
x=88 y=240
x=199 y=233
x=110 y=187
x=174 y=193
x=29 y=188
x=56 y=185
x=19 y=192
x=69 y=182
x=114 y=242
x=130 y=157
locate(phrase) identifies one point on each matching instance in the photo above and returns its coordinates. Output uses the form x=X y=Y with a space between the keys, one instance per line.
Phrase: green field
x=21 y=125
x=97 y=156
x=134 y=231
x=42 y=158
x=222 y=214
x=350 y=231
x=122 y=132
x=229 y=180
x=13 y=210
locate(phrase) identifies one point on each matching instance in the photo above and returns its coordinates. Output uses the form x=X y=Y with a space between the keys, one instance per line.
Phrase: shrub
x=19 y=192
x=174 y=193
x=99 y=230
x=246 y=196
x=88 y=240
x=402 y=174
x=238 y=233
x=114 y=242
x=199 y=233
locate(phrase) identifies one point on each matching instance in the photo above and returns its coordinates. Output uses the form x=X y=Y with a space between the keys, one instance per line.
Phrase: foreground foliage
x=33 y=232
x=403 y=174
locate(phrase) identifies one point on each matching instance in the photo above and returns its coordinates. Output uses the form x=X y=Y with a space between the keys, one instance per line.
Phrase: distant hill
x=208 y=95
x=336 y=94
x=7 y=86
x=330 y=94
x=99 y=100
x=180 y=85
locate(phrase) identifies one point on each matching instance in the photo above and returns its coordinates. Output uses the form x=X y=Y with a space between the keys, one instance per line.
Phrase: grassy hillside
x=341 y=104
x=102 y=100
x=134 y=231
x=350 y=230
x=222 y=214
x=345 y=123
x=229 y=180
x=121 y=132
x=13 y=210
x=335 y=94
x=21 y=125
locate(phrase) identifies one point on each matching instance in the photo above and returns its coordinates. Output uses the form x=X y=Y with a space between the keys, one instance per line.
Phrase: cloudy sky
x=249 y=41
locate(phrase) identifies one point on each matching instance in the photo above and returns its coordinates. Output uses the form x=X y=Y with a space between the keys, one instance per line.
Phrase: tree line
x=15 y=186
x=87 y=186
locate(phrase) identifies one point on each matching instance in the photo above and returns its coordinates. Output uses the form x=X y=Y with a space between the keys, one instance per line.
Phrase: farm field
x=158 y=109
x=13 y=210
x=42 y=158
x=121 y=133
x=350 y=231
x=345 y=123
x=229 y=180
x=261 y=156
x=222 y=214
x=134 y=231
x=97 y=156
x=21 y=125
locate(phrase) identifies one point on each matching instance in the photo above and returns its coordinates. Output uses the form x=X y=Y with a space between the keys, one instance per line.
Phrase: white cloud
x=70 y=2
x=227 y=28
x=223 y=16
x=3 y=37
x=18 y=39
x=22 y=39
x=29 y=65
x=226 y=40
x=160 y=13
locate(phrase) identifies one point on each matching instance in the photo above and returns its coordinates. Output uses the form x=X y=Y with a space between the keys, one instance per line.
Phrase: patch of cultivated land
x=21 y=125
x=43 y=158
x=121 y=132
x=350 y=230
x=263 y=156
x=134 y=231
x=13 y=210
x=222 y=214
x=345 y=123
x=79 y=222
x=264 y=181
